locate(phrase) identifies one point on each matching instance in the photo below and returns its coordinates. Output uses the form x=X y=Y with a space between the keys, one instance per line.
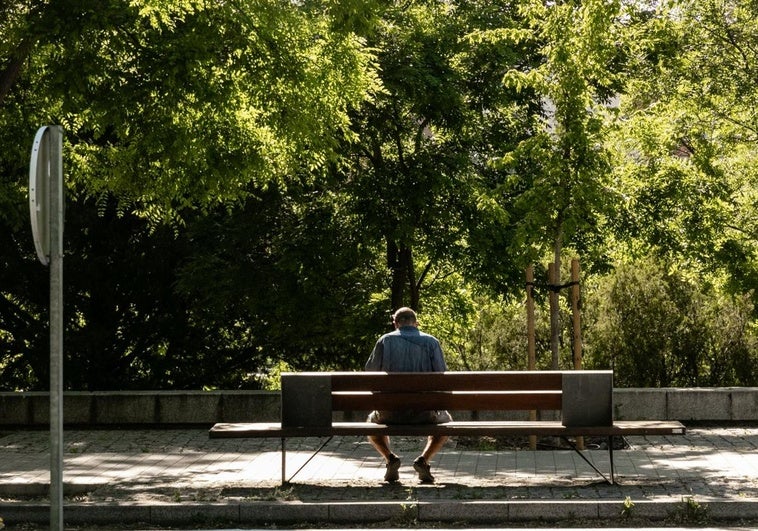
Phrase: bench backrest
x=584 y=398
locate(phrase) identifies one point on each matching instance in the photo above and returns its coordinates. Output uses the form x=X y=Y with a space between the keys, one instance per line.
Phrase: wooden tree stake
x=531 y=341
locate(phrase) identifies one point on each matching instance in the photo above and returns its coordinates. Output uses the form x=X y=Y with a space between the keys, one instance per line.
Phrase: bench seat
x=494 y=428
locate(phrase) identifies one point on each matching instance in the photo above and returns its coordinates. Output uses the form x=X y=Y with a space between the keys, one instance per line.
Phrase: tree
x=559 y=175
x=414 y=178
x=687 y=151
x=175 y=105
x=168 y=109
x=282 y=281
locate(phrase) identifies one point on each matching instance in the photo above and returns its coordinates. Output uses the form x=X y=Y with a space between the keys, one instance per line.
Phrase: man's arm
x=374 y=362
x=438 y=360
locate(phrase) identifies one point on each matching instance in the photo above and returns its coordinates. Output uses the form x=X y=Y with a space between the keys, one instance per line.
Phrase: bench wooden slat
x=454 y=401
x=447 y=381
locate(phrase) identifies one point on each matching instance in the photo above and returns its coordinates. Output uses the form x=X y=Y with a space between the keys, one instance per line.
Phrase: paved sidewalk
x=181 y=476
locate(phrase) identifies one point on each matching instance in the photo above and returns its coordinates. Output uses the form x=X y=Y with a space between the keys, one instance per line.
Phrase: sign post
x=46 y=210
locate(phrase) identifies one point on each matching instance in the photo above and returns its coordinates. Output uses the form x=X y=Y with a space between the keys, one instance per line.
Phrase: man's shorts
x=409 y=417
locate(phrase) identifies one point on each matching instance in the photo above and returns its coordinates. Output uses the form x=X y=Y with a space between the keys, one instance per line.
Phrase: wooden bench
x=583 y=398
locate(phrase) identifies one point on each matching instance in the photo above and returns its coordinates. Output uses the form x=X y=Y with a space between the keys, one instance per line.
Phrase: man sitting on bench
x=407 y=349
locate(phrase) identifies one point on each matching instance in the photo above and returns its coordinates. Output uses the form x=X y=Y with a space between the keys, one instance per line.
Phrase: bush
x=483 y=333
x=658 y=328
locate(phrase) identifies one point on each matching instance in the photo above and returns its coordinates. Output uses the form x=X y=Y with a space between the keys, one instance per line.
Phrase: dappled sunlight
x=126 y=465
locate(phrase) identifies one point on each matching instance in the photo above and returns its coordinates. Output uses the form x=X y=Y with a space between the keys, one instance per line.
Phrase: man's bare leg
x=421 y=465
x=433 y=445
x=382 y=445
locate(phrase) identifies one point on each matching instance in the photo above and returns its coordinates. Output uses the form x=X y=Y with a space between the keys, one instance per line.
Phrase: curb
x=472 y=512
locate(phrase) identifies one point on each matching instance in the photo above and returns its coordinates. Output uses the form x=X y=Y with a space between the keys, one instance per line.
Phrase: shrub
x=659 y=328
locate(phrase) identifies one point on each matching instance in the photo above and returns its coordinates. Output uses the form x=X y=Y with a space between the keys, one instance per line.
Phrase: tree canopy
x=255 y=184
x=176 y=105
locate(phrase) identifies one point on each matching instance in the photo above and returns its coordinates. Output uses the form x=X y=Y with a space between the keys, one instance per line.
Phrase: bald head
x=404 y=317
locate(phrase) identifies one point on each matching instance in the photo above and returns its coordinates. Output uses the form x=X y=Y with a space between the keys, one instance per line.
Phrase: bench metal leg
x=284 y=461
x=581 y=454
x=610 y=455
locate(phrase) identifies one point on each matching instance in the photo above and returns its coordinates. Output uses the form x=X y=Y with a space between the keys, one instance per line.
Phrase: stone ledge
x=129 y=408
x=338 y=512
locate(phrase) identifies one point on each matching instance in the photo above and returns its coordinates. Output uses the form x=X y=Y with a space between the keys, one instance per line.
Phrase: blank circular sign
x=39 y=193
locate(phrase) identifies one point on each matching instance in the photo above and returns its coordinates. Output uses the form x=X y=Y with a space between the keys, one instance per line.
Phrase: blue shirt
x=407 y=349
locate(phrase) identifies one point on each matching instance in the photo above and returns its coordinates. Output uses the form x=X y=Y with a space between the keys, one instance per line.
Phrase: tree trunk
x=405 y=290
x=397 y=283
x=555 y=328
x=414 y=289
x=12 y=71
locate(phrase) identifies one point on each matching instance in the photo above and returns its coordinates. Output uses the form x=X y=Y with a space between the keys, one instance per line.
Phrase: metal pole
x=56 y=329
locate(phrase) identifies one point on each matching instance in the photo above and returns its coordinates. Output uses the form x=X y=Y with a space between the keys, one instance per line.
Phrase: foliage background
x=256 y=185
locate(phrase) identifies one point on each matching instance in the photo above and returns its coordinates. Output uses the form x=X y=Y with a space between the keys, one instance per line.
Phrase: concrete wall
x=734 y=404
x=142 y=407
x=687 y=404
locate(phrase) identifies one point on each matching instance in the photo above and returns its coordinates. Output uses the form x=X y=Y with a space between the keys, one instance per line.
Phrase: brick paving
x=708 y=465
